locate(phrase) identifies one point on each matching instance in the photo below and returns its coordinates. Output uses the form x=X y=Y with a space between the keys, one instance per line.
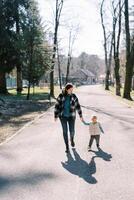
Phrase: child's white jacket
x=94 y=128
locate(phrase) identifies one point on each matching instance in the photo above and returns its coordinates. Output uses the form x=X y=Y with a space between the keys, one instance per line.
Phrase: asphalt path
x=34 y=166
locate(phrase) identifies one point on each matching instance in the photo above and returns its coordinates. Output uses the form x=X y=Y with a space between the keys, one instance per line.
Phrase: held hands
x=81 y=118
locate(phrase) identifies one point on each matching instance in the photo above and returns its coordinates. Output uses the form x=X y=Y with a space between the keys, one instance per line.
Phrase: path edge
x=25 y=126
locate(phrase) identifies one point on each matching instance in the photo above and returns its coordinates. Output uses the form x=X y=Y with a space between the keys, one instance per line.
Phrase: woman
x=65 y=109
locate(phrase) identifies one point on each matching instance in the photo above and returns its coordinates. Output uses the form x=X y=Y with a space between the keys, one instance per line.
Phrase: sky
x=84 y=13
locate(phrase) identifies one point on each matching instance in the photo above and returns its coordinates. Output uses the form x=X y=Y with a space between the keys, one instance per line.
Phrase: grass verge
x=128 y=102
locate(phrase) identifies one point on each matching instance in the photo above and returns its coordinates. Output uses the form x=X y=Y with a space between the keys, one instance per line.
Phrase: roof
x=87 y=72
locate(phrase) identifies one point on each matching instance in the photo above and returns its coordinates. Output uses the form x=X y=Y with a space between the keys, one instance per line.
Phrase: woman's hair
x=94 y=117
x=67 y=87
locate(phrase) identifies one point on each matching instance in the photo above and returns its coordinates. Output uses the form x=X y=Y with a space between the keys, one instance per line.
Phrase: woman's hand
x=81 y=118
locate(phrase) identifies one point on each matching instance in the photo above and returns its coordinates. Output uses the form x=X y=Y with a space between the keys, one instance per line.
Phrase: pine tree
x=7 y=42
x=36 y=57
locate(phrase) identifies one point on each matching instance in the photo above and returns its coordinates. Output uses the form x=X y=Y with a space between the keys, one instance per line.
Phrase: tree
x=59 y=66
x=22 y=42
x=19 y=9
x=129 y=64
x=36 y=57
x=132 y=58
x=108 y=44
x=7 y=42
x=117 y=19
x=73 y=31
x=89 y=62
x=12 y=18
x=59 y=6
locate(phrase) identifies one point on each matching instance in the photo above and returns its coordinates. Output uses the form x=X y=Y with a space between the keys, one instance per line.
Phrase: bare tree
x=129 y=64
x=117 y=19
x=59 y=66
x=107 y=47
x=59 y=6
x=69 y=57
x=72 y=37
x=132 y=59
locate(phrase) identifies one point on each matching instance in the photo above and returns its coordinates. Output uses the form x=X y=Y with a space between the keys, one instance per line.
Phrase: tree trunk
x=116 y=52
x=117 y=76
x=54 y=52
x=129 y=66
x=132 y=61
x=53 y=62
x=52 y=74
x=107 y=80
x=19 y=80
x=128 y=81
x=30 y=68
x=59 y=67
x=68 y=68
x=105 y=49
x=59 y=70
x=33 y=89
x=28 y=93
x=3 y=88
x=59 y=6
x=18 y=66
x=133 y=83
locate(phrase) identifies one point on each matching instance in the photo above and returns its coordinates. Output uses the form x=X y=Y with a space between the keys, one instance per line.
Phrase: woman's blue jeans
x=67 y=122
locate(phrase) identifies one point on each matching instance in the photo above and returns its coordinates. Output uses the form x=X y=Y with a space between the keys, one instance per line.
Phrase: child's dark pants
x=94 y=137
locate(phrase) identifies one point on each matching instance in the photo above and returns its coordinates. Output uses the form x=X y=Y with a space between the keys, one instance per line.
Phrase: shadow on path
x=102 y=154
x=31 y=178
x=80 y=167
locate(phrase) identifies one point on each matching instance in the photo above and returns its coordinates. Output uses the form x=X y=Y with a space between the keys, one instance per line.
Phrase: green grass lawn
x=130 y=103
x=38 y=94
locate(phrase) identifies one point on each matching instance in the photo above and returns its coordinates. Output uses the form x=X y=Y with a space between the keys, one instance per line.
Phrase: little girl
x=95 y=129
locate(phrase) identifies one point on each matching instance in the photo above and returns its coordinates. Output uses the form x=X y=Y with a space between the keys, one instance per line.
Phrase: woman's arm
x=78 y=107
x=57 y=106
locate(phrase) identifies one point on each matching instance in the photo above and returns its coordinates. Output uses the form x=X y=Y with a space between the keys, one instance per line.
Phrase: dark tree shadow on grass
x=12 y=118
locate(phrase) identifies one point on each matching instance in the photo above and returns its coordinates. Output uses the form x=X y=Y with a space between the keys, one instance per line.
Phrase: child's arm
x=101 y=128
x=86 y=123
